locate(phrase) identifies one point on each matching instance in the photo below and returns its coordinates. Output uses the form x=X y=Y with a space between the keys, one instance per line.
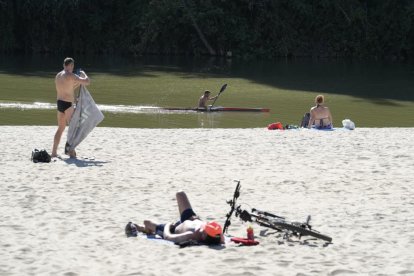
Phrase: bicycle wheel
x=301 y=230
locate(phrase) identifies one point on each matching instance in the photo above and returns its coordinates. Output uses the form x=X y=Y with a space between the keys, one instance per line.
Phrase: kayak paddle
x=221 y=91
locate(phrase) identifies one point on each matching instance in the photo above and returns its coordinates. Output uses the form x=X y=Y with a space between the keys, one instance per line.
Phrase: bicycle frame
x=232 y=204
x=270 y=220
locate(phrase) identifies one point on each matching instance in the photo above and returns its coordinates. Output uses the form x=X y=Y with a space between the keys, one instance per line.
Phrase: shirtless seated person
x=189 y=228
x=202 y=102
x=320 y=116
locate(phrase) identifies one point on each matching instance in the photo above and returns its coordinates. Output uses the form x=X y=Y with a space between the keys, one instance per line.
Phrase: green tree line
x=243 y=28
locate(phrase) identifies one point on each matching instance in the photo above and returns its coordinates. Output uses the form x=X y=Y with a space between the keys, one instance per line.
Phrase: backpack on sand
x=40 y=156
x=305 y=120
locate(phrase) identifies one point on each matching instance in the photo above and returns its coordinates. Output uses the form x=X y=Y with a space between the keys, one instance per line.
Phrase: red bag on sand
x=244 y=241
x=277 y=125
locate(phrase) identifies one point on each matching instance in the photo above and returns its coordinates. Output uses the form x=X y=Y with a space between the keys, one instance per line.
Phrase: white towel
x=85 y=118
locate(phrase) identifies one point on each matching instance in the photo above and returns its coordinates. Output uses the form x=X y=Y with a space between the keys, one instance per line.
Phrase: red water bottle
x=250 y=234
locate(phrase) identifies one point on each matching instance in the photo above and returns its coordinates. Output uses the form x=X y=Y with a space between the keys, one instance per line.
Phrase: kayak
x=216 y=109
x=135 y=108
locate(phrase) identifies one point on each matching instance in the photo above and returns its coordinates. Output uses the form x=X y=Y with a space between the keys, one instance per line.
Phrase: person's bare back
x=66 y=82
x=65 y=86
x=320 y=115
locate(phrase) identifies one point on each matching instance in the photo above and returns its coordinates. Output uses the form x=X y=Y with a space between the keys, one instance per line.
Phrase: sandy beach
x=67 y=217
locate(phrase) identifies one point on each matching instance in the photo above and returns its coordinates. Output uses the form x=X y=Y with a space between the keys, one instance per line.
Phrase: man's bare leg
x=148 y=227
x=183 y=202
x=61 y=128
x=72 y=154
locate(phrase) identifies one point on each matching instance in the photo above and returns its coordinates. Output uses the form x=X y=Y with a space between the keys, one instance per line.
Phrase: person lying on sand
x=202 y=102
x=189 y=228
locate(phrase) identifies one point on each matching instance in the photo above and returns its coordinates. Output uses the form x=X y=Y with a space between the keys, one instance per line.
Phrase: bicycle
x=271 y=221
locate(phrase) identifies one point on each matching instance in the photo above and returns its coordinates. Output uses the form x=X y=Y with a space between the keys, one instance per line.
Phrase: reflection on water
x=126 y=108
x=102 y=107
x=157 y=117
x=374 y=80
x=377 y=83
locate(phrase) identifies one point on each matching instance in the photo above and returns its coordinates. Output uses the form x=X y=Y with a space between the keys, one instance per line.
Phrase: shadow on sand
x=84 y=162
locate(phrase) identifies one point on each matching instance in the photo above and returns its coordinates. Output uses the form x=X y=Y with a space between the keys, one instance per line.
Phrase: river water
x=385 y=86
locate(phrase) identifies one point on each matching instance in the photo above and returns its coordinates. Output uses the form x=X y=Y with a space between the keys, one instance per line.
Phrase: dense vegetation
x=246 y=28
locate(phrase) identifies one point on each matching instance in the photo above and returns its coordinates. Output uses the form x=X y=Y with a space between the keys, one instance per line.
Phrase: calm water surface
x=287 y=87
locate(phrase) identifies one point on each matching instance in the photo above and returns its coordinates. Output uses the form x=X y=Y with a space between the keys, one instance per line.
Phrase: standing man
x=66 y=82
x=202 y=102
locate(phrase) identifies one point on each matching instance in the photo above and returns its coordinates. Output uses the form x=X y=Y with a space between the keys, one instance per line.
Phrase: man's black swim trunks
x=187 y=214
x=63 y=105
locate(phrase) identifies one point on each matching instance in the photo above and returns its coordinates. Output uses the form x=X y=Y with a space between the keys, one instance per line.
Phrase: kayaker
x=189 y=228
x=320 y=116
x=202 y=103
